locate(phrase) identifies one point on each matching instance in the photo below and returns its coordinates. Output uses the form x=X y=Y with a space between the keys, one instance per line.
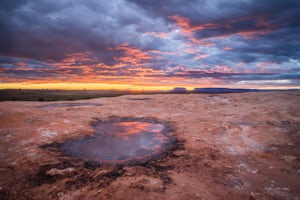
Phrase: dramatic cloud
x=195 y=43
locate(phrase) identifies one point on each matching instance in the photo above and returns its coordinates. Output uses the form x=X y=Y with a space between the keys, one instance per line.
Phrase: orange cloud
x=223 y=69
x=262 y=27
x=132 y=56
x=201 y=56
x=162 y=35
x=188 y=30
x=228 y=48
x=241 y=64
x=184 y=23
x=163 y=52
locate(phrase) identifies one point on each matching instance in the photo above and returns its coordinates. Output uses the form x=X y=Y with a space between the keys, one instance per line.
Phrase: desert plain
x=227 y=146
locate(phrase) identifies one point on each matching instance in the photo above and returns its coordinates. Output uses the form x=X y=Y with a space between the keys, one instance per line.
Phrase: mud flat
x=223 y=146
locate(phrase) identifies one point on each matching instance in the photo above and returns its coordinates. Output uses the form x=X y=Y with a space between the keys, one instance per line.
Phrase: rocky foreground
x=228 y=146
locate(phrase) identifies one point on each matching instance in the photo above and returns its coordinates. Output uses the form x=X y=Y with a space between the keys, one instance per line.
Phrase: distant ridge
x=225 y=90
x=183 y=90
x=231 y=90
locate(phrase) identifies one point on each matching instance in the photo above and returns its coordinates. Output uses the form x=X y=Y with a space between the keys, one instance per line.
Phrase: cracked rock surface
x=228 y=146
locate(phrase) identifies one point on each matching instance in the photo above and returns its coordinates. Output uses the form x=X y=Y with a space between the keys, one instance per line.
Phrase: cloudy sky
x=150 y=43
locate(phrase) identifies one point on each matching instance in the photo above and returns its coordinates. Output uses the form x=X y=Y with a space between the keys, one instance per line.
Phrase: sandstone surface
x=229 y=146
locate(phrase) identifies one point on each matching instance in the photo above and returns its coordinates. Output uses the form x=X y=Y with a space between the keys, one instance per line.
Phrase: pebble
x=289 y=158
x=283 y=189
x=55 y=171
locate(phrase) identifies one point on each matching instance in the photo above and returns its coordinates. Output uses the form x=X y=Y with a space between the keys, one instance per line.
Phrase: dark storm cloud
x=227 y=40
x=274 y=22
x=50 y=30
x=10 y=5
x=202 y=11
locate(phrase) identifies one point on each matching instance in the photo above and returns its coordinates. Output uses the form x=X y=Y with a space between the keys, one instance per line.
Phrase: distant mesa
x=221 y=90
x=179 y=90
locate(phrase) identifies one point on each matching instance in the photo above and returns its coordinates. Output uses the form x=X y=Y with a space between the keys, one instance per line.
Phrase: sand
x=229 y=146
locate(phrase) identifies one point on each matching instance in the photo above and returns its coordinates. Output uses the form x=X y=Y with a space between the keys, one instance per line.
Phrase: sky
x=149 y=44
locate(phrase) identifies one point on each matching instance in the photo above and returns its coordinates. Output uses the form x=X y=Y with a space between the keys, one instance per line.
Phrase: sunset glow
x=149 y=45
